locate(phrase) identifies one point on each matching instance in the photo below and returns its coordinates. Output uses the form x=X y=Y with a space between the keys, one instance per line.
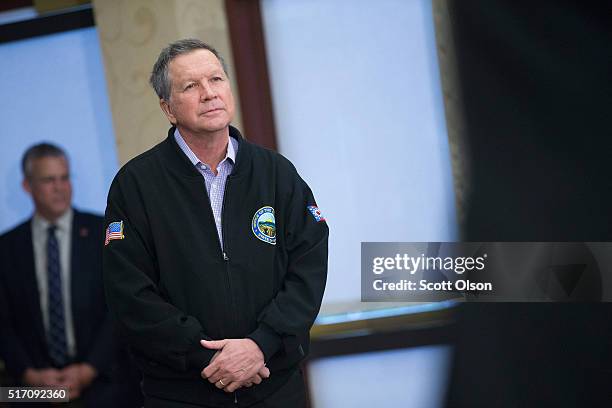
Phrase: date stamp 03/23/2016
x=33 y=394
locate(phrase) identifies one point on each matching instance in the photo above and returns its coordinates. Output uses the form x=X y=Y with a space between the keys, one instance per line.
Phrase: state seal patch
x=264 y=225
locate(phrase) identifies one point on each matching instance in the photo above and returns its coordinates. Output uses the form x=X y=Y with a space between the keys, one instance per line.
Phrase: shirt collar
x=63 y=223
x=230 y=153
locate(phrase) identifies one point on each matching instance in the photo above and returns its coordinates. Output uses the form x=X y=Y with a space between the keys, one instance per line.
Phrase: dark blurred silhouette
x=536 y=88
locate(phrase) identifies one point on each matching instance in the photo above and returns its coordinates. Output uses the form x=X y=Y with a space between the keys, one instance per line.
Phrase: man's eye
x=192 y=85
x=217 y=79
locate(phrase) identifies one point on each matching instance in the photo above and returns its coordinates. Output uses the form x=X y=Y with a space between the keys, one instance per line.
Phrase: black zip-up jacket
x=169 y=283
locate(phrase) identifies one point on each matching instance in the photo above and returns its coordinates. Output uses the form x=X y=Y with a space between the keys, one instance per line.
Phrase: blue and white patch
x=264 y=225
x=316 y=213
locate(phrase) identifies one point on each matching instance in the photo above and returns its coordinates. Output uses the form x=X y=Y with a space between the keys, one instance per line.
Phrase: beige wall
x=132 y=33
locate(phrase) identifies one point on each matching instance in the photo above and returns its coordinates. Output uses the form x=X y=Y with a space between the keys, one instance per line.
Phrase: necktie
x=58 y=349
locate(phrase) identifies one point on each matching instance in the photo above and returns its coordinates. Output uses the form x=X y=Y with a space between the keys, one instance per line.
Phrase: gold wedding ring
x=221 y=382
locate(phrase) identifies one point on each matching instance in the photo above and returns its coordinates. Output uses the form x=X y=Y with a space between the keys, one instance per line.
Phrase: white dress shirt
x=63 y=234
x=215 y=184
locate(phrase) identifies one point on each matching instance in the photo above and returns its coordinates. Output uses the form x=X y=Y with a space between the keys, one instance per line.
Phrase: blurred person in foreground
x=216 y=256
x=55 y=328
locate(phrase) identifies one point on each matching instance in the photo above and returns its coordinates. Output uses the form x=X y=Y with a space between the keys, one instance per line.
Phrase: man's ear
x=165 y=106
x=25 y=184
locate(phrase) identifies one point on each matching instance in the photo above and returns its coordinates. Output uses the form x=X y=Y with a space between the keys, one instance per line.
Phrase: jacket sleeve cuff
x=267 y=339
x=19 y=373
x=200 y=358
x=101 y=367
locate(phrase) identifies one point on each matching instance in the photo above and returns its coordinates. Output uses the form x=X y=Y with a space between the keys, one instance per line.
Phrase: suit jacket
x=22 y=337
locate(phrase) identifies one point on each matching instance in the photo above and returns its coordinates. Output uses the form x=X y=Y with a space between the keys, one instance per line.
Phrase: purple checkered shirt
x=215 y=185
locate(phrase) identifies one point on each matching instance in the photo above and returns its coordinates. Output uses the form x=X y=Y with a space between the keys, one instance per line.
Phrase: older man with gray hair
x=215 y=259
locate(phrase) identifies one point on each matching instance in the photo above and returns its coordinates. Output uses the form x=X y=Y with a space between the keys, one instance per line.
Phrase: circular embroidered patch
x=264 y=225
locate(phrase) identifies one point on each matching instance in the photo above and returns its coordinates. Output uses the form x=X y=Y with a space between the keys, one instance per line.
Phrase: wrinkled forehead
x=194 y=65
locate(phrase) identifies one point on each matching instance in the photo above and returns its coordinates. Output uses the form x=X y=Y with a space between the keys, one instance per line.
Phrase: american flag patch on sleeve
x=114 y=231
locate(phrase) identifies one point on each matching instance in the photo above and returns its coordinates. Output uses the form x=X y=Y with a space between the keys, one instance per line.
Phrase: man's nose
x=207 y=92
x=59 y=184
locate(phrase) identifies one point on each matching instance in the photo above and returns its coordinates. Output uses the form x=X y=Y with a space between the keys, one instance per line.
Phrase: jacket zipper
x=226 y=261
x=226 y=258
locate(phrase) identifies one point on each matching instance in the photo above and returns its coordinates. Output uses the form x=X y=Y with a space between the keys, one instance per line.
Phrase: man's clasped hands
x=237 y=363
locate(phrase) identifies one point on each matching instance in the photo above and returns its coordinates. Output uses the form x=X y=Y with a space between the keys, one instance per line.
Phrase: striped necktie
x=58 y=349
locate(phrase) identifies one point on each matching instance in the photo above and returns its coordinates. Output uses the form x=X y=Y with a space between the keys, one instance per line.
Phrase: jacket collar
x=178 y=161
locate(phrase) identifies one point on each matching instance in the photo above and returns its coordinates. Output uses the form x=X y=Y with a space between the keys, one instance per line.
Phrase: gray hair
x=160 y=79
x=39 y=151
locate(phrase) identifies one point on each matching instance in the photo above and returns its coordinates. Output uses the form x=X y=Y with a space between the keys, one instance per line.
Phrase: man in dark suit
x=54 y=325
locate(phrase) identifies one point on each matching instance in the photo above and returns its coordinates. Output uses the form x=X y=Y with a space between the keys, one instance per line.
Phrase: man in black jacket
x=216 y=253
x=55 y=329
